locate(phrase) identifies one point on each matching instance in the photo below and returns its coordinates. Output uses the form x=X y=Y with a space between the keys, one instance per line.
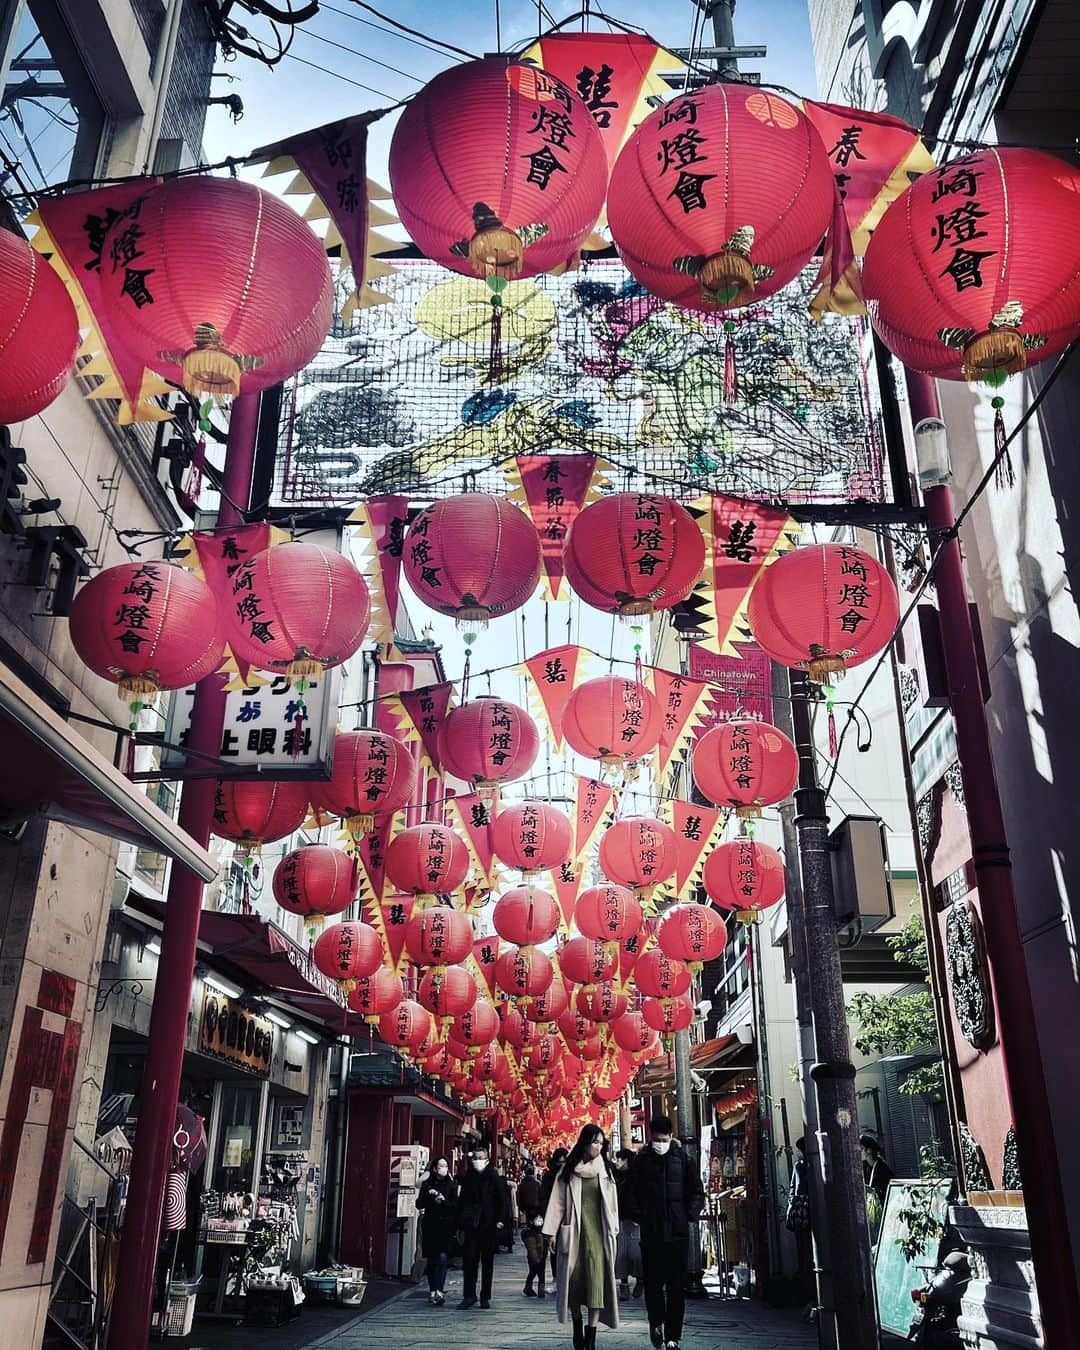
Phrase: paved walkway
x=409 y=1323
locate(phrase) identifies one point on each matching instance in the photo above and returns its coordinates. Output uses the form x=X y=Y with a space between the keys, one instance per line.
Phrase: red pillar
x=366 y=1183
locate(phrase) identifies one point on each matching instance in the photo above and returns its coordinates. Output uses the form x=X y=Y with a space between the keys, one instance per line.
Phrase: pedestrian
x=547 y=1182
x=628 y=1253
x=877 y=1174
x=582 y=1225
x=506 y=1238
x=484 y=1211
x=532 y=1231
x=438 y=1203
x=668 y=1195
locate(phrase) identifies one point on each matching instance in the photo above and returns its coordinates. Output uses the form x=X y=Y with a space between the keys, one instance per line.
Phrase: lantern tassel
x=495 y=364
x=303 y=666
x=142 y=689
x=1004 y=477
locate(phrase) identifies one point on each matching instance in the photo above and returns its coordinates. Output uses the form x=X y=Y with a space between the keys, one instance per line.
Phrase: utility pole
x=833 y=1073
x=722 y=14
x=691 y=1138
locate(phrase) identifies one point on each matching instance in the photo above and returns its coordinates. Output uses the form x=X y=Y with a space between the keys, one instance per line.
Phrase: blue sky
x=294 y=96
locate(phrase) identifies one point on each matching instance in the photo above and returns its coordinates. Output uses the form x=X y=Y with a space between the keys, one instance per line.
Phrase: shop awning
x=722 y=1052
x=423 y=1103
x=49 y=769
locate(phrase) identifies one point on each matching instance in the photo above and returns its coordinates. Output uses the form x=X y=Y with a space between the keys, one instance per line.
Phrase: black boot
x=590 y=1338
x=579 y=1334
x=529 y=1291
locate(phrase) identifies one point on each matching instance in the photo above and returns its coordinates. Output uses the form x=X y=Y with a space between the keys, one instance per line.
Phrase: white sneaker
x=433 y=1298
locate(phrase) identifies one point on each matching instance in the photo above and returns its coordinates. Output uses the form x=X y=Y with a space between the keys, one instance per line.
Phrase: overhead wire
x=337 y=75
x=352 y=51
x=414 y=32
x=390 y=32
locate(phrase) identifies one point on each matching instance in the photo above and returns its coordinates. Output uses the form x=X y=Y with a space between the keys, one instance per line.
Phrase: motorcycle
x=937 y=1304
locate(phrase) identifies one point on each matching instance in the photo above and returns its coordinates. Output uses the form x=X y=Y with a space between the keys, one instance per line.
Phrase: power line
x=337 y=75
x=307 y=32
x=415 y=32
x=401 y=37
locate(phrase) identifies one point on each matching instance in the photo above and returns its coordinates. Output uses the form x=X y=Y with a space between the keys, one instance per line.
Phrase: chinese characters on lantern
x=680 y=149
x=957 y=225
x=553 y=128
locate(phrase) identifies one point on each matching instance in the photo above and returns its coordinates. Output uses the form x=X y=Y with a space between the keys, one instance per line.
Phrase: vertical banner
x=554 y=674
x=485 y=955
x=370 y=857
x=743 y=537
x=470 y=815
x=696 y=828
x=737 y=686
x=592 y=801
x=680 y=700
x=425 y=708
x=553 y=489
x=389 y=920
x=383 y=521
x=566 y=879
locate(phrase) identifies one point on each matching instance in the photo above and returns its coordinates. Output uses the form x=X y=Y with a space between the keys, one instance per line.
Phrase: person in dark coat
x=484 y=1214
x=668 y=1196
x=628 y=1255
x=532 y=1220
x=547 y=1184
x=438 y=1203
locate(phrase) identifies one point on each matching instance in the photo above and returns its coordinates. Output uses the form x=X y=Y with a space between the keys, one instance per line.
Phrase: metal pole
x=688 y=1133
x=722 y=14
x=1044 y=1196
x=130 y=1322
x=833 y=1073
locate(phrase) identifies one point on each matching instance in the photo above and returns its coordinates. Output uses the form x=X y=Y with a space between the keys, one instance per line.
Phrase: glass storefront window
x=234 y=1166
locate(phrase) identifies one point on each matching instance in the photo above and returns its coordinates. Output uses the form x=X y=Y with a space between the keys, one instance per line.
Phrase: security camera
x=697 y=1082
x=703 y=1009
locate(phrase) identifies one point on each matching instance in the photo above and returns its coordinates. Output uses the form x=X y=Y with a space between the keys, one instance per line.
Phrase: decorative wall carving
x=973 y=1162
x=955 y=783
x=969 y=974
x=1010 y=1164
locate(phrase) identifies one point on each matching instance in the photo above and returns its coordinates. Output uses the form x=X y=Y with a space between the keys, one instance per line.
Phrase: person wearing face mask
x=484 y=1214
x=628 y=1254
x=582 y=1225
x=438 y=1203
x=668 y=1195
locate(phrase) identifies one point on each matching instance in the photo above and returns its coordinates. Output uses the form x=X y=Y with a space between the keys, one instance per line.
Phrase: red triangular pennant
x=592 y=800
x=473 y=823
x=554 y=674
x=679 y=699
x=389 y=920
x=485 y=955
x=425 y=708
x=744 y=535
x=694 y=828
x=554 y=488
x=566 y=878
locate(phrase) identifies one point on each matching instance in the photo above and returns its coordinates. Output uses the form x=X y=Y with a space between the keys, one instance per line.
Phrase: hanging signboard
x=231 y=1032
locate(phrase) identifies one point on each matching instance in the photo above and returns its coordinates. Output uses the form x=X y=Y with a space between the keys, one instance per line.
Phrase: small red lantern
x=692 y=933
x=315 y=882
x=147 y=626
x=965 y=279
x=375 y=994
x=823 y=608
x=531 y=836
x=660 y=976
x=439 y=937
x=697 y=216
x=255 y=317
x=629 y=554
x=447 y=991
x=668 y=1015
x=38 y=333
x=525 y=916
x=497 y=169
x=407 y=1027
x=474 y=557
x=515 y=1030
x=550 y=1005
x=524 y=972
x=297 y=609
x=544 y=1054
x=585 y=960
x=602 y=1003
x=632 y=1032
x=608 y=913
x=576 y=1027
x=744 y=875
x=745 y=764
x=488 y=741
x=257 y=813
x=348 y=952
x=427 y=859
x=477 y=1026
x=612 y=719
x=373 y=774
x=638 y=851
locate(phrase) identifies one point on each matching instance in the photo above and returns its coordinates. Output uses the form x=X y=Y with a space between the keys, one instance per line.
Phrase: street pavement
x=409 y=1323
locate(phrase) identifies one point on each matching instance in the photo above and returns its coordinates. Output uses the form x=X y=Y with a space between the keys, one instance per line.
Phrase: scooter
x=937 y=1304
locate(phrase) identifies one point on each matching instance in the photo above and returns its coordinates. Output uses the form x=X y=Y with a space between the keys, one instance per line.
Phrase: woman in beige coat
x=582 y=1225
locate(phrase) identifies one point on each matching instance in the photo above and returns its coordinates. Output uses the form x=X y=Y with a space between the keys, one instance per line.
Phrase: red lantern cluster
x=607 y=913
x=373 y=775
x=524 y=972
x=531 y=836
x=315 y=882
x=602 y=1002
x=744 y=875
x=39 y=331
x=488 y=741
x=427 y=859
x=586 y=960
x=612 y=719
x=745 y=764
x=692 y=933
x=668 y=1015
x=407 y=1026
x=658 y=975
x=375 y=994
x=448 y=991
x=439 y=937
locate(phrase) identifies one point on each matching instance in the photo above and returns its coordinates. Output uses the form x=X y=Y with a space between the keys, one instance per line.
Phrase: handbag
x=797 y=1219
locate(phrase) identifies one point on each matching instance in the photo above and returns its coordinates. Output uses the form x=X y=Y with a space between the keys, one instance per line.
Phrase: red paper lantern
x=630 y=554
x=216 y=284
x=667 y=1015
x=965 y=279
x=375 y=994
x=373 y=774
x=744 y=875
x=147 y=626
x=720 y=197
x=525 y=916
x=257 y=813
x=632 y=1032
x=524 y=972
x=447 y=991
x=576 y=1027
x=427 y=859
x=488 y=741
x=584 y=960
x=592 y=1049
x=439 y=937
x=638 y=851
x=823 y=608
x=659 y=976
x=745 y=764
x=608 y=913
x=348 y=952
x=515 y=1030
x=550 y=1005
x=531 y=836
x=612 y=719
x=315 y=882
x=477 y=1026
x=39 y=331
x=497 y=168
x=297 y=609
x=473 y=557
x=544 y=1054
x=408 y=1026
x=693 y=933
x=602 y=1003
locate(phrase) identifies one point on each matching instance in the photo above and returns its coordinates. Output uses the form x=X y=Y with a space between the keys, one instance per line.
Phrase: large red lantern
x=629 y=554
x=576 y=1027
x=515 y=1030
x=439 y=937
x=965 y=279
x=612 y=719
x=39 y=331
x=531 y=836
x=297 y=609
x=407 y=1027
x=608 y=913
x=488 y=741
x=473 y=557
x=585 y=960
x=550 y=1005
x=315 y=882
x=477 y=1026
x=668 y=1015
x=373 y=774
x=524 y=972
x=602 y=1003
x=497 y=168
x=348 y=952
x=525 y=916
x=447 y=991
x=217 y=285
x=147 y=626
x=692 y=933
x=744 y=875
x=257 y=813
x=427 y=859
x=660 y=976
x=375 y=994
x=638 y=851
x=823 y=608
x=745 y=764
x=720 y=197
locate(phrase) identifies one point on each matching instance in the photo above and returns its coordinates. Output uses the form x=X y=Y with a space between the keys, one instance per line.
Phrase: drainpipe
x=161 y=76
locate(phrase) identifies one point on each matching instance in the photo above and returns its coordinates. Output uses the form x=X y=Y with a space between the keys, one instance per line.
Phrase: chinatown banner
x=553 y=675
x=592 y=802
x=215 y=555
x=680 y=700
x=424 y=709
x=383 y=521
x=742 y=537
x=874 y=158
x=738 y=686
x=696 y=828
x=485 y=955
x=71 y=233
x=553 y=489
x=470 y=816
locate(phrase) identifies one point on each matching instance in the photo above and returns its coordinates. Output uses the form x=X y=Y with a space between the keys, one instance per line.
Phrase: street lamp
x=932 y=453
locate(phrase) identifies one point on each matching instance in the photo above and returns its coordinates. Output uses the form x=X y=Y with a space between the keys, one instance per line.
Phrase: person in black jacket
x=438 y=1203
x=532 y=1236
x=668 y=1196
x=484 y=1214
x=628 y=1253
x=547 y=1184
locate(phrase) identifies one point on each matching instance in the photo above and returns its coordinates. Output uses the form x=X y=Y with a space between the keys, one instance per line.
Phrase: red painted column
x=366 y=1182
x=129 y=1327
